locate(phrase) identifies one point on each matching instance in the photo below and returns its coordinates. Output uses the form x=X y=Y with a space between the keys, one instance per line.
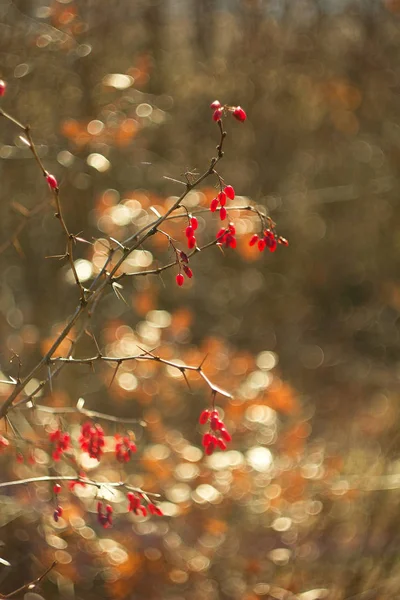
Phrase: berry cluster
x=218 y=435
x=220 y=200
x=136 y=506
x=189 y=232
x=219 y=110
x=104 y=518
x=91 y=440
x=124 y=448
x=269 y=240
x=183 y=261
x=61 y=443
x=226 y=237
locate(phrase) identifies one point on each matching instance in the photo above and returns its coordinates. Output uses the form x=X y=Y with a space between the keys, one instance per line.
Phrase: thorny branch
x=29 y=586
x=90 y=297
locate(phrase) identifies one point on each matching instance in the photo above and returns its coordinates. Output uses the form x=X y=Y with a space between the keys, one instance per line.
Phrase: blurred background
x=305 y=501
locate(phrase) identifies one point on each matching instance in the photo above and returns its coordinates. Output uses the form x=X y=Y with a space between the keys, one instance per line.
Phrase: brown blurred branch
x=29 y=586
x=80 y=480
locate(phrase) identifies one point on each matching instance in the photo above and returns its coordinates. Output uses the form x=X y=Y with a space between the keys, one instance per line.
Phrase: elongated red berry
x=225 y=434
x=3 y=88
x=188 y=271
x=216 y=104
x=283 y=241
x=261 y=245
x=189 y=231
x=214 y=204
x=180 y=279
x=191 y=242
x=194 y=223
x=222 y=198
x=229 y=191
x=253 y=240
x=52 y=181
x=222 y=213
x=239 y=114
x=217 y=114
x=204 y=416
x=57 y=488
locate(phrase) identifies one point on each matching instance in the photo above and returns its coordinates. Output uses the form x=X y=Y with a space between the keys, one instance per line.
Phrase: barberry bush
x=81 y=460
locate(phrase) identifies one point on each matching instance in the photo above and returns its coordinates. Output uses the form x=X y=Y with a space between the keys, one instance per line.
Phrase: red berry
x=217 y=114
x=221 y=444
x=180 y=279
x=239 y=114
x=225 y=434
x=261 y=245
x=205 y=415
x=210 y=448
x=52 y=181
x=57 y=488
x=60 y=511
x=216 y=104
x=191 y=242
x=230 y=192
x=109 y=508
x=222 y=213
x=283 y=241
x=214 y=205
x=188 y=271
x=189 y=231
x=253 y=240
x=3 y=87
x=194 y=223
x=207 y=438
x=222 y=198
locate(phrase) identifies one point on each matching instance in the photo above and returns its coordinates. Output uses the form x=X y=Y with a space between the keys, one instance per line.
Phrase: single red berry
x=207 y=437
x=55 y=515
x=216 y=104
x=188 y=271
x=229 y=191
x=205 y=415
x=222 y=198
x=253 y=240
x=109 y=508
x=180 y=279
x=60 y=511
x=222 y=213
x=272 y=244
x=189 y=231
x=3 y=442
x=214 y=204
x=3 y=87
x=52 y=181
x=221 y=444
x=283 y=241
x=184 y=257
x=217 y=114
x=261 y=245
x=194 y=223
x=210 y=448
x=57 y=488
x=154 y=510
x=239 y=114
x=191 y=242
x=225 y=434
